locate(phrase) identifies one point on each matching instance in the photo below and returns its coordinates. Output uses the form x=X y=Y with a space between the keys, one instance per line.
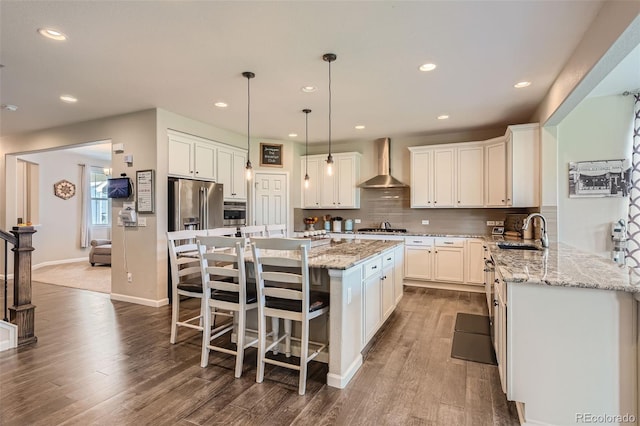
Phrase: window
x=100 y=203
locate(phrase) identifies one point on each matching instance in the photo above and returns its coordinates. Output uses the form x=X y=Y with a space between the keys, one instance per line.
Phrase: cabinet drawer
x=388 y=259
x=449 y=242
x=372 y=267
x=418 y=241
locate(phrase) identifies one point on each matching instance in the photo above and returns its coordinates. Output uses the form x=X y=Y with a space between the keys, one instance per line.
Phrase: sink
x=517 y=246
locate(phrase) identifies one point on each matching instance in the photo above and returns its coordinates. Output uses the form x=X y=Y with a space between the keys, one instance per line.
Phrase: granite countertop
x=412 y=234
x=343 y=254
x=562 y=265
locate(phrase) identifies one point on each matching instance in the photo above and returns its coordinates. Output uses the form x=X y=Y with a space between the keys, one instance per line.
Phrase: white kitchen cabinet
x=474 y=261
x=470 y=165
x=418 y=258
x=421 y=178
x=444 y=177
x=496 y=173
x=398 y=273
x=500 y=330
x=191 y=157
x=336 y=191
x=372 y=287
x=448 y=260
x=231 y=173
x=388 y=283
x=311 y=194
x=523 y=165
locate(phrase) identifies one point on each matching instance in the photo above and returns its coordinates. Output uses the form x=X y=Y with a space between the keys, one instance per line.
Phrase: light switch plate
x=425 y=221
x=499 y=222
x=142 y=221
x=357 y=221
x=491 y=223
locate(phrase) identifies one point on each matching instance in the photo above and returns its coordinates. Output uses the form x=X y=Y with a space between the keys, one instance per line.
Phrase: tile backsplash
x=393 y=206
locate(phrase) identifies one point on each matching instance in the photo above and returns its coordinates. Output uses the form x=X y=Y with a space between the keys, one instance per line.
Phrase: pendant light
x=329 y=57
x=249 y=169
x=306 y=146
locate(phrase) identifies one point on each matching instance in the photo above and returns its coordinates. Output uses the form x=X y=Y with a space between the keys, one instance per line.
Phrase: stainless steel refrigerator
x=195 y=204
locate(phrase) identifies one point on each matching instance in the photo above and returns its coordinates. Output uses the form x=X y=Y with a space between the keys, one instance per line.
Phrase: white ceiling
x=184 y=56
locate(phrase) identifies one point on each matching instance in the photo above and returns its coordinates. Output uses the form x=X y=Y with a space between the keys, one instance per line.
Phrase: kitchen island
x=364 y=281
x=565 y=334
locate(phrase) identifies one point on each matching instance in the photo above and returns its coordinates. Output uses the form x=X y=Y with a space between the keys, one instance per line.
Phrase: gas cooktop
x=385 y=230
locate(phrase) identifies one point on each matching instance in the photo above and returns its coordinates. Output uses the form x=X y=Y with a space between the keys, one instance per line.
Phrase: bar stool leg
x=275 y=327
x=240 y=333
x=206 y=332
x=304 y=354
x=287 y=341
x=262 y=344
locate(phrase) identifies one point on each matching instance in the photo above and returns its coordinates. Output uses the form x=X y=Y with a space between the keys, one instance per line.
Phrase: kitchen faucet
x=544 y=238
x=385 y=225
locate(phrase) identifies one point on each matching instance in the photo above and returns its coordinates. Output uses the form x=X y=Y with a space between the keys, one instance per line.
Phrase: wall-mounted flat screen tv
x=119 y=187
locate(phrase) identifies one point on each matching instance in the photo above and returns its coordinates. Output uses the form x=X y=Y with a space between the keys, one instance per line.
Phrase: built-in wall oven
x=235 y=213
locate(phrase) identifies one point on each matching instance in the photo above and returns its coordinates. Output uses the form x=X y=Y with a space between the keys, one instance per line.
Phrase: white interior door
x=272 y=199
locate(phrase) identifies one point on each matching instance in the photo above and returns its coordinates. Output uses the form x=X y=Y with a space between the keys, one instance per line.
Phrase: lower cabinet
x=500 y=329
x=372 y=284
x=388 y=299
x=448 y=260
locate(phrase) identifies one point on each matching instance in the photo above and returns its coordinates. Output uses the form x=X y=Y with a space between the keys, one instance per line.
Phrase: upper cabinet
x=231 y=173
x=191 y=157
x=337 y=191
x=500 y=172
x=197 y=158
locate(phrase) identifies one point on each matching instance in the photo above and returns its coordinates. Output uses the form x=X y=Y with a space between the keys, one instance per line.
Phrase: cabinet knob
x=197 y=172
x=458 y=201
x=495 y=302
x=508 y=199
x=374 y=267
x=502 y=201
x=429 y=202
x=190 y=171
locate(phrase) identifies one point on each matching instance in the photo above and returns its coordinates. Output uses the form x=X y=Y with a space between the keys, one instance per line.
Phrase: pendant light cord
x=329 y=108
x=248 y=118
x=306 y=143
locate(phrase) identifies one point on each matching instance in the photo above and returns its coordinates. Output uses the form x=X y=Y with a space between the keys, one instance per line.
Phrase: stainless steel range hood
x=384 y=178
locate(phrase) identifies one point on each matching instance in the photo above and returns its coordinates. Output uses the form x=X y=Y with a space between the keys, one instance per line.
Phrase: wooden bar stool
x=277 y=231
x=225 y=288
x=287 y=296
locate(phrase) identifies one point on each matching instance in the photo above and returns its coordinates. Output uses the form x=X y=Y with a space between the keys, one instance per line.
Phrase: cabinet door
x=449 y=264
x=496 y=175
x=345 y=183
x=328 y=188
x=239 y=181
x=387 y=284
x=225 y=172
x=180 y=158
x=417 y=262
x=525 y=160
x=398 y=274
x=470 y=176
x=474 y=260
x=311 y=195
x=372 y=306
x=443 y=177
x=421 y=179
x=205 y=161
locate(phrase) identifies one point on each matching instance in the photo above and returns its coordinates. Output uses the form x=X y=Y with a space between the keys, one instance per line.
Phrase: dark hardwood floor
x=105 y=362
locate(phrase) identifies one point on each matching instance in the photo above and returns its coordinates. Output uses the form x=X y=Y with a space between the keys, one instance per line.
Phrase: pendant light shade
x=249 y=168
x=306 y=146
x=329 y=57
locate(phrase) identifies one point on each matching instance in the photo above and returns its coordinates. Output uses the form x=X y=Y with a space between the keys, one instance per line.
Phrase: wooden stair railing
x=22 y=313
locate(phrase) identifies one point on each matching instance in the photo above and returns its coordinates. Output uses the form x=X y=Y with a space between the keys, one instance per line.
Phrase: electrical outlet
x=142 y=221
x=491 y=223
x=129 y=277
x=357 y=221
x=499 y=222
x=425 y=221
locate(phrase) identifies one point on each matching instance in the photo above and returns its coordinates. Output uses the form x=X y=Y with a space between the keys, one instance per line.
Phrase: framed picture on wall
x=270 y=155
x=604 y=178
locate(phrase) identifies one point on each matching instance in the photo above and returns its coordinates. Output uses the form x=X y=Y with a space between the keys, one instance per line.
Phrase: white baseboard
x=340 y=382
x=9 y=336
x=49 y=263
x=139 y=300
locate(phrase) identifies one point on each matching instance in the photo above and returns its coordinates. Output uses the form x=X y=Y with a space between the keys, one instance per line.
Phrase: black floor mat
x=473 y=347
x=470 y=323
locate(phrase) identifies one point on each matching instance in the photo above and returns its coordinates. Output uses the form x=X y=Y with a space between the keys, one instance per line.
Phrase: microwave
x=235 y=213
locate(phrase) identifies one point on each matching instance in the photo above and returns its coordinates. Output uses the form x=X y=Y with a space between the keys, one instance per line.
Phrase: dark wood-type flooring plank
x=99 y=361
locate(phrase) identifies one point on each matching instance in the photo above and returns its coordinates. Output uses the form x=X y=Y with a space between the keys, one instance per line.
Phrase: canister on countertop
x=348 y=225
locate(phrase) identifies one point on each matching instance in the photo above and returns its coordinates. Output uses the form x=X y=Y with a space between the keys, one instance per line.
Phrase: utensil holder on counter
x=337 y=226
x=327 y=225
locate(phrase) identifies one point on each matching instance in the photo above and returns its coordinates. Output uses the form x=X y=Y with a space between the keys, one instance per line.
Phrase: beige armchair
x=100 y=252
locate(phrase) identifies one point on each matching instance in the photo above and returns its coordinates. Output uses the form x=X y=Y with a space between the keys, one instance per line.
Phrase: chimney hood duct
x=384 y=178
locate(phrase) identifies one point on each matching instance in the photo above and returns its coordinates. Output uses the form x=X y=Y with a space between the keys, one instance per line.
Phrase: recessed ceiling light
x=221 y=104
x=522 y=84
x=52 y=34
x=68 y=99
x=309 y=89
x=443 y=117
x=359 y=127
x=9 y=107
x=427 y=67
x=293 y=135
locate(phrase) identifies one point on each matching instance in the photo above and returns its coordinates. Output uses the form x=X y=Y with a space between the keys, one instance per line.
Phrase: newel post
x=22 y=313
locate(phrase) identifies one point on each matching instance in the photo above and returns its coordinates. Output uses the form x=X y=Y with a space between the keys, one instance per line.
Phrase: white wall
x=598 y=129
x=58 y=236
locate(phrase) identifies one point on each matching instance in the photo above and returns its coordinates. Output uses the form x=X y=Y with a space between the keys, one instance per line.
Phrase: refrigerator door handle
x=205 y=210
